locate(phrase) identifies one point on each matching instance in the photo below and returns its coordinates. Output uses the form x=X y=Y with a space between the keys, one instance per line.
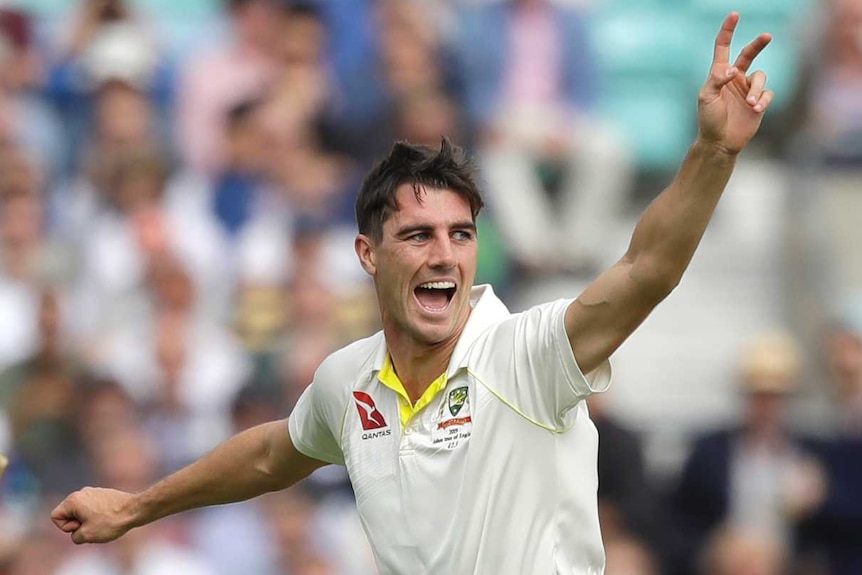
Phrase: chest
x=416 y=459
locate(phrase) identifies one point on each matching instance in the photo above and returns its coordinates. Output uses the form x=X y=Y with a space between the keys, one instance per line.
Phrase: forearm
x=670 y=230
x=256 y=461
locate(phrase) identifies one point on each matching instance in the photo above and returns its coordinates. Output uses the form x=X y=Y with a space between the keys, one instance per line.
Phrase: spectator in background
x=128 y=457
x=738 y=552
x=239 y=182
x=414 y=56
x=105 y=42
x=314 y=537
x=39 y=552
x=223 y=76
x=843 y=354
x=141 y=215
x=555 y=176
x=832 y=538
x=757 y=478
x=124 y=120
x=40 y=397
x=628 y=507
x=416 y=74
x=236 y=538
x=828 y=109
x=27 y=254
x=25 y=118
x=182 y=367
x=423 y=117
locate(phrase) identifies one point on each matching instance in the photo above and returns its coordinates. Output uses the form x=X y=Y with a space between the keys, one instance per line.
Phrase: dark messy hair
x=448 y=168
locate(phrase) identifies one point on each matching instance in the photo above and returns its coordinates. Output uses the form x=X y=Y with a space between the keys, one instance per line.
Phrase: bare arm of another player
x=256 y=461
x=730 y=109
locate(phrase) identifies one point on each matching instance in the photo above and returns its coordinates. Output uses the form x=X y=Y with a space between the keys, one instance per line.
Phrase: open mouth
x=435 y=296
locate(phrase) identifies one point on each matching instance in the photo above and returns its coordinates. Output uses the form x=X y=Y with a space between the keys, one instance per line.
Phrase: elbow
x=656 y=280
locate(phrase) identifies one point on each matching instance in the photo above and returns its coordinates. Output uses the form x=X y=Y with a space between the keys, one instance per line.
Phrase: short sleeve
x=527 y=361
x=315 y=424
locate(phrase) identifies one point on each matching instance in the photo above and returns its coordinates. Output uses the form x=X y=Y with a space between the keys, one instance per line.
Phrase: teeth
x=438 y=285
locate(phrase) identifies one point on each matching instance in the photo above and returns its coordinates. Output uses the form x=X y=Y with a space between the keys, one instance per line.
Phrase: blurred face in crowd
x=423 y=266
x=846 y=30
x=19 y=174
x=171 y=284
x=254 y=23
x=410 y=65
x=124 y=116
x=302 y=39
x=50 y=319
x=844 y=358
x=105 y=410
x=765 y=411
x=424 y=118
x=126 y=459
x=246 y=145
x=137 y=188
x=20 y=221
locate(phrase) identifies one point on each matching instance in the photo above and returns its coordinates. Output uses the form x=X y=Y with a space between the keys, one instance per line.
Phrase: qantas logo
x=368 y=413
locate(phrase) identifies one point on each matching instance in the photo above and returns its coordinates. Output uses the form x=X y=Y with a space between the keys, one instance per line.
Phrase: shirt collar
x=487 y=309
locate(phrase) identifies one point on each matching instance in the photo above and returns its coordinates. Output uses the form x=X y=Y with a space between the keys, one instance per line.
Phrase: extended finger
x=756 y=82
x=721 y=54
x=764 y=101
x=750 y=52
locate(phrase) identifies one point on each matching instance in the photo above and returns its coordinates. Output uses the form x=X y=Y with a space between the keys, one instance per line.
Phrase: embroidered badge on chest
x=454 y=421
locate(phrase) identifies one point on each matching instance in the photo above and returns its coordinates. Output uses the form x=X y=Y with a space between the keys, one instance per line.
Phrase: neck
x=417 y=364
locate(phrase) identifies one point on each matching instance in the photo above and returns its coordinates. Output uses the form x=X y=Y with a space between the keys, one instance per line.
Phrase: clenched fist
x=95 y=515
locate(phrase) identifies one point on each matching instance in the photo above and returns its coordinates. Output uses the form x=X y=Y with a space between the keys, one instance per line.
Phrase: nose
x=442 y=255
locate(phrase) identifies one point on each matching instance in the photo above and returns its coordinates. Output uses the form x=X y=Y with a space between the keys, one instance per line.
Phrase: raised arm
x=254 y=462
x=730 y=109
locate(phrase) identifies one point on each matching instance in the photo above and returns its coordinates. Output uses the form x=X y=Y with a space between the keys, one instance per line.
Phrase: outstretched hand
x=731 y=104
x=94 y=515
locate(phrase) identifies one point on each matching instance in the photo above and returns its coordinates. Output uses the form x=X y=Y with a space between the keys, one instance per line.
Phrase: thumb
x=719 y=77
x=78 y=537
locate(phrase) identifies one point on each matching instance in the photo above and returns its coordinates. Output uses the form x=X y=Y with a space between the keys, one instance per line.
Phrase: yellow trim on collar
x=407 y=409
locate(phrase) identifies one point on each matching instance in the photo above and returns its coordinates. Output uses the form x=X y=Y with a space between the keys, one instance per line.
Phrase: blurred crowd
x=176 y=227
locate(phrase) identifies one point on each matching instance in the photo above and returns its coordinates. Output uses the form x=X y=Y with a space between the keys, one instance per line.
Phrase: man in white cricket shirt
x=462 y=426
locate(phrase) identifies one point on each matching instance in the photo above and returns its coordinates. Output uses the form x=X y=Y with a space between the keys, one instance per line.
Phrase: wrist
x=714 y=149
x=134 y=511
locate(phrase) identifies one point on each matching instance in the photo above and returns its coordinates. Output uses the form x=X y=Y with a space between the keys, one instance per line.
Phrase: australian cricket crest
x=458 y=398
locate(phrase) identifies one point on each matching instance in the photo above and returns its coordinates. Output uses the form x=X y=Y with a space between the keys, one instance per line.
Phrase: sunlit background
x=176 y=191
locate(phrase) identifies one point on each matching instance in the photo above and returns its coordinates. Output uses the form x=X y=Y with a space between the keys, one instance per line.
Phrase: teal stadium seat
x=752 y=8
x=641 y=40
x=654 y=55
x=47 y=8
x=656 y=119
x=645 y=64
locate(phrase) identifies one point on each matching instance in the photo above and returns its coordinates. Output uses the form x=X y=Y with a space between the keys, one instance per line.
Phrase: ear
x=364 y=247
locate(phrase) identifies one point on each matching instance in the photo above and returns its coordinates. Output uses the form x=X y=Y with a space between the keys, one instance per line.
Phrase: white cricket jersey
x=495 y=475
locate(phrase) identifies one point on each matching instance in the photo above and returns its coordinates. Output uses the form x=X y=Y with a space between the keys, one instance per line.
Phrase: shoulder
x=542 y=317
x=342 y=367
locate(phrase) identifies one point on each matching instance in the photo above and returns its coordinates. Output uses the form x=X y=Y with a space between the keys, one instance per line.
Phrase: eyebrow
x=408 y=230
